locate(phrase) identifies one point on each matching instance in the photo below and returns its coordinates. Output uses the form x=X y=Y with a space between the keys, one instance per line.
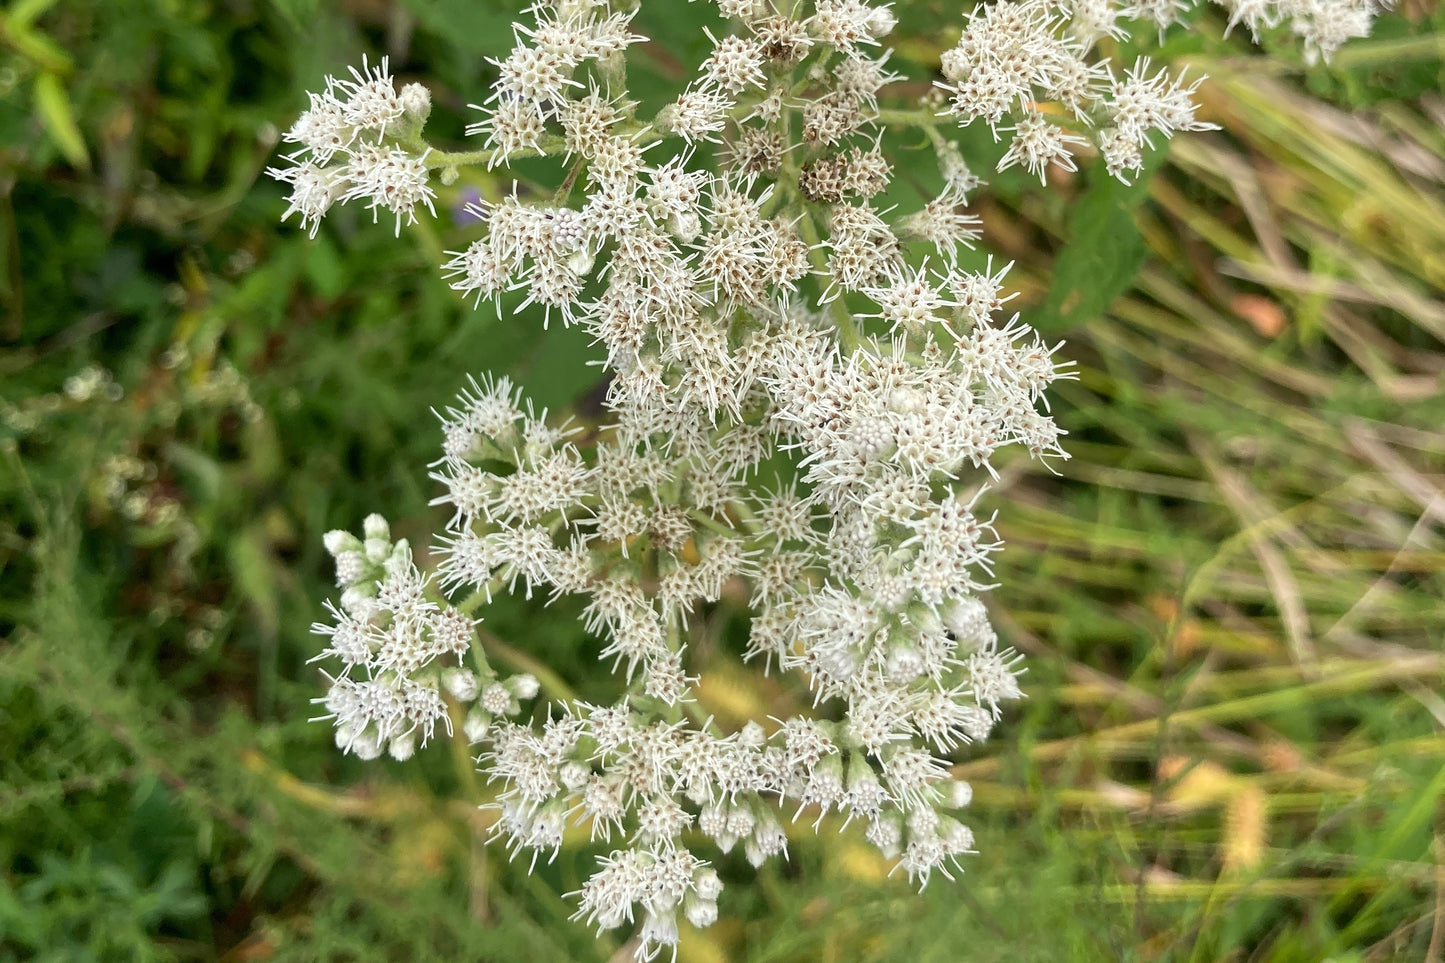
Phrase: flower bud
x=377 y=550
x=402 y=747
x=701 y=913
x=359 y=601
x=416 y=103
x=375 y=526
x=573 y=775
x=881 y=21
x=350 y=567
x=523 y=686
x=498 y=700
x=365 y=744
x=708 y=885
x=905 y=663
x=462 y=685
x=957 y=838
x=660 y=928
x=957 y=794
x=886 y=833
x=477 y=725
x=339 y=540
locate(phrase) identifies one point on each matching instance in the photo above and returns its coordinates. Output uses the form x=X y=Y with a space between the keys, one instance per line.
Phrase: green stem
x=847 y=330
x=711 y=524
x=745 y=515
x=466 y=158
x=553 y=684
x=916 y=117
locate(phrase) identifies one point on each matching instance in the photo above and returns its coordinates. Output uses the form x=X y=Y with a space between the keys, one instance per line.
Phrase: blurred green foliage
x=192 y=395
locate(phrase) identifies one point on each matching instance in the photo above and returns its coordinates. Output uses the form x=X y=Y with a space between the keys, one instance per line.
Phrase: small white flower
x=313 y=190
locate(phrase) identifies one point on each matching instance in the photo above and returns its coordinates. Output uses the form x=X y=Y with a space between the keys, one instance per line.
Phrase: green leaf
x=23 y=13
x=17 y=28
x=53 y=104
x=1104 y=252
x=255 y=570
x=200 y=469
x=560 y=373
x=298 y=13
x=325 y=268
x=479 y=28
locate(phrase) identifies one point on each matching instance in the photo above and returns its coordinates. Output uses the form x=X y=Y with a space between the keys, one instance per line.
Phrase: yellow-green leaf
x=17 y=31
x=53 y=103
x=23 y=13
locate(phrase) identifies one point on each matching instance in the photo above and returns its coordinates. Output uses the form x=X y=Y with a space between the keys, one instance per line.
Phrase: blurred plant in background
x=1231 y=603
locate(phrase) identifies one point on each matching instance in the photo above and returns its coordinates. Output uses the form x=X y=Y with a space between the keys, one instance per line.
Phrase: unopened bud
x=476 y=726
x=416 y=101
x=523 y=686
x=375 y=526
x=338 y=541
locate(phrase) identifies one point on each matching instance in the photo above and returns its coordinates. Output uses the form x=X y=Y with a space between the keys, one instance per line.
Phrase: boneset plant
x=758 y=305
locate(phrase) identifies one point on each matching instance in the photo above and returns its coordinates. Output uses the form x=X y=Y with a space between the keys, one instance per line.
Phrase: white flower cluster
x=365 y=127
x=411 y=650
x=1323 y=25
x=1028 y=69
x=806 y=396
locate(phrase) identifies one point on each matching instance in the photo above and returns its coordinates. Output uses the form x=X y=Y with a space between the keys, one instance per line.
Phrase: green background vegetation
x=1231 y=597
